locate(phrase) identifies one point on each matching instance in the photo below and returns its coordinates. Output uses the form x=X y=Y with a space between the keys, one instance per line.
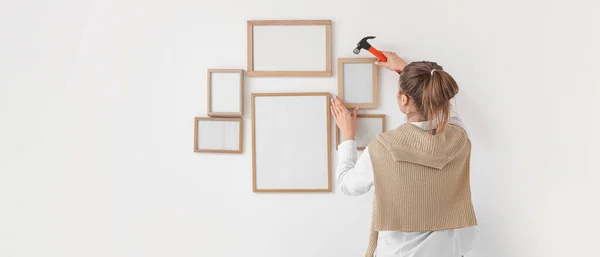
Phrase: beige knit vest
x=421 y=181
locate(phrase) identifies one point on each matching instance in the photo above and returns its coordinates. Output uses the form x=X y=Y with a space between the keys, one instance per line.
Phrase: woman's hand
x=394 y=62
x=344 y=119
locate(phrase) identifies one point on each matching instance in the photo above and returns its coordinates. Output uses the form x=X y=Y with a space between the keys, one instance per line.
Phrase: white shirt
x=355 y=177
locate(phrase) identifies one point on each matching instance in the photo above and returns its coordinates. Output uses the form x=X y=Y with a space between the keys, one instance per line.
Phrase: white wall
x=97 y=100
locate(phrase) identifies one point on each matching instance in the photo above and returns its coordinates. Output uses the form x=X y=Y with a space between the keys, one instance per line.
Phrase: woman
x=420 y=170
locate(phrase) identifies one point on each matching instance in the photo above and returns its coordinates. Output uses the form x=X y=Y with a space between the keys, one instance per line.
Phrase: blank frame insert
x=358 y=82
x=218 y=135
x=225 y=97
x=291 y=142
x=367 y=128
x=289 y=48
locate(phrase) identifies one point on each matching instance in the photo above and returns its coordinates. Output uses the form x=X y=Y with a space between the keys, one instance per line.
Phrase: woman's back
x=422 y=179
x=405 y=242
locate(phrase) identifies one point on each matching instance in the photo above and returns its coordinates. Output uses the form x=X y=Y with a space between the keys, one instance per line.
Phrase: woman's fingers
x=389 y=53
x=340 y=106
x=336 y=109
x=334 y=104
x=332 y=108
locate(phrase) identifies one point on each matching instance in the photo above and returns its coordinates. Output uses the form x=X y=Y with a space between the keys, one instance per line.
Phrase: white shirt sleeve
x=354 y=176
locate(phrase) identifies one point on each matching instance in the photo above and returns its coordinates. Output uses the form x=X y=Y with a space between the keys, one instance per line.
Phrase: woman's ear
x=404 y=100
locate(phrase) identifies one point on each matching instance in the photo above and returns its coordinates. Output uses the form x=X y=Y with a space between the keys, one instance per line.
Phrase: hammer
x=364 y=44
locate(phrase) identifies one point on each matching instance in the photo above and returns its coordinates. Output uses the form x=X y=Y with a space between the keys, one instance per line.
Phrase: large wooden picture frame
x=367 y=127
x=358 y=82
x=224 y=98
x=291 y=142
x=221 y=136
x=299 y=48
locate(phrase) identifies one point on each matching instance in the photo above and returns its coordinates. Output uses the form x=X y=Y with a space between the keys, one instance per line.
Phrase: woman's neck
x=415 y=117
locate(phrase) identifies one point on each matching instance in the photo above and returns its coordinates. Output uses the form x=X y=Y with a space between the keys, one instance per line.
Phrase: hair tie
x=432 y=71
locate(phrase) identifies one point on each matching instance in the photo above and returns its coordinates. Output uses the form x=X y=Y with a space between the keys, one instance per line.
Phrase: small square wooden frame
x=241 y=135
x=328 y=57
x=375 y=100
x=209 y=96
x=383 y=128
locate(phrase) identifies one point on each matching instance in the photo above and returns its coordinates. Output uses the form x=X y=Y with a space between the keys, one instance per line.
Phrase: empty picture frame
x=367 y=128
x=225 y=96
x=358 y=82
x=289 y=48
x=291 y=142
x=218 y=135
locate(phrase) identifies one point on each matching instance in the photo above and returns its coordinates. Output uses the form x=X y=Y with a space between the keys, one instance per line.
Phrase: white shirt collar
x=424 y=125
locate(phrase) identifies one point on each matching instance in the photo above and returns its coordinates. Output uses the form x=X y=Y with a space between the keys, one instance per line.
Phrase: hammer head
x=363 y=44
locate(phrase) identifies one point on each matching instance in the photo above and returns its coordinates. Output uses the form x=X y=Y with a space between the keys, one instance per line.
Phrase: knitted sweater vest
x=421 y=181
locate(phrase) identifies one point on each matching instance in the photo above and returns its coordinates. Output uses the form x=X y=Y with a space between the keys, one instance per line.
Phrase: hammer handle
x=379 y=55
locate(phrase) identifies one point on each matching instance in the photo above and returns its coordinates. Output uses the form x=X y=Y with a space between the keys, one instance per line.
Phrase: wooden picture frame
x=357 y=89
x=292 y=47
x=225 y=103
x=297 y=163
x=363 y=137
x=235 y=145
